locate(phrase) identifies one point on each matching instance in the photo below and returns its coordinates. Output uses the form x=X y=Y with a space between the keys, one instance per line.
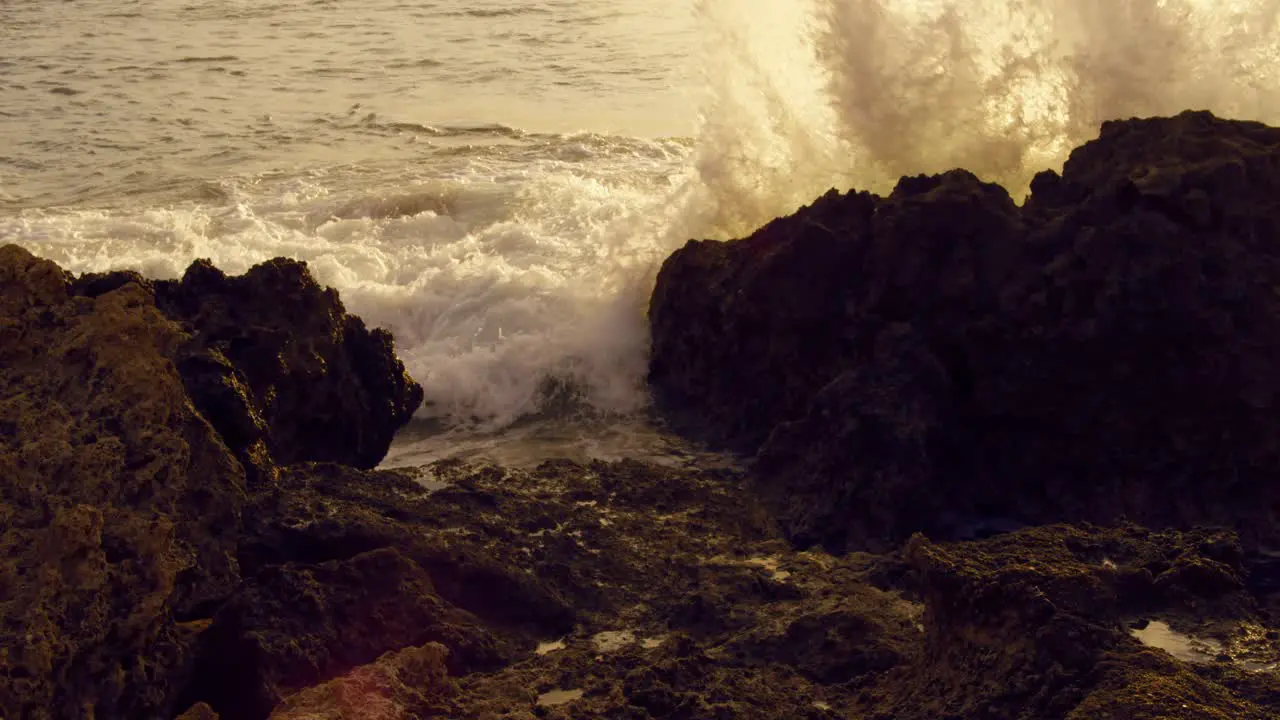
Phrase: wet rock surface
x=689 y=612
x=402 y=684
x=941 y=360
x=174 y=545
x=278 y=366
x=123 y=506
x=119 y=504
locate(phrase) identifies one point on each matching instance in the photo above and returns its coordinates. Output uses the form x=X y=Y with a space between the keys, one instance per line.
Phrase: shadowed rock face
x=398 y=686
x=345 y=566
x=157 y=557
x=1032 y=624
x=279 y=367
x=726 y=315
x=691 y=606
x=143 y=569
x=120 y=507
x=300 y=623
x=941 y=359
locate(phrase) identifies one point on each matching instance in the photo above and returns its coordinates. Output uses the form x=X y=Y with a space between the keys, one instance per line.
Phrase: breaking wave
x=804 y=96
x=509 y=262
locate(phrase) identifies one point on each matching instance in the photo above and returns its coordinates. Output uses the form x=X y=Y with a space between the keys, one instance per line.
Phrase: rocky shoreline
x=942 y=358
x=1010 y=462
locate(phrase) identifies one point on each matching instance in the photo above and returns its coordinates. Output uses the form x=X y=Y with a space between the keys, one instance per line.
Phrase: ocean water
x=497 y=181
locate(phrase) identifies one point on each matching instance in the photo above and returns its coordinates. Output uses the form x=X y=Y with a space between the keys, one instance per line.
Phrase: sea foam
x=516 y=269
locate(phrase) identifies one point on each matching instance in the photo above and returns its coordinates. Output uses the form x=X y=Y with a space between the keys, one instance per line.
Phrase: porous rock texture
x=393 y=688
x=134 y=580
x=119 y=505
x=347 y=566
x=171 y=548
x=278 y=365
x=691 y=605
x=943 y=360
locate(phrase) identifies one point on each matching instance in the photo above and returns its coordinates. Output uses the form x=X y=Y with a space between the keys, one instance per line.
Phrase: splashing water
x=512 y=265
x=841 y=93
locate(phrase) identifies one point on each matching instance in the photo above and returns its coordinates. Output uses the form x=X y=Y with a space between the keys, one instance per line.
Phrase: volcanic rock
x=877 y=427
x=295 y=625
x=169 y=546
x=725 y=316
x=405 y=684
x=344 y=566
x=943 y=360
x=145 y=577
x=1033 y=625
x=1029 y=624
x=144 y=571
x=281 y=369
x=696 y=609
x=119 y=504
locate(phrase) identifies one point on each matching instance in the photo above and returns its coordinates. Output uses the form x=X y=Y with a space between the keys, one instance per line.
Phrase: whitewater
x=498 y=181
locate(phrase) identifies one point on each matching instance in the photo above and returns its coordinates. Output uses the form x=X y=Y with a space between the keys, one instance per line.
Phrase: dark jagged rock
x=343 y=566
x=405 y=684
x=1033 y=625
x=725 y=316
x=848 y=637
x=745 y=333
x=693 y=610
x=297 y=625
x=876 y=427
x=942 y=360
x=119 y=504
x=333 y=592
x=322 y=512
x=280 y=368
x=145 y=573
x=1136 y=372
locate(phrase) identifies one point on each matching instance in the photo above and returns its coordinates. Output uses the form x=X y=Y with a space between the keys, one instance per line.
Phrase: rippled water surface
x=105 y=96
x=498 y=181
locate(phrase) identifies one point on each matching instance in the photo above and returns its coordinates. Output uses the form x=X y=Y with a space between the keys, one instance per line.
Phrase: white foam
x=499 y=266
x=490 y=286
x=811 y=94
